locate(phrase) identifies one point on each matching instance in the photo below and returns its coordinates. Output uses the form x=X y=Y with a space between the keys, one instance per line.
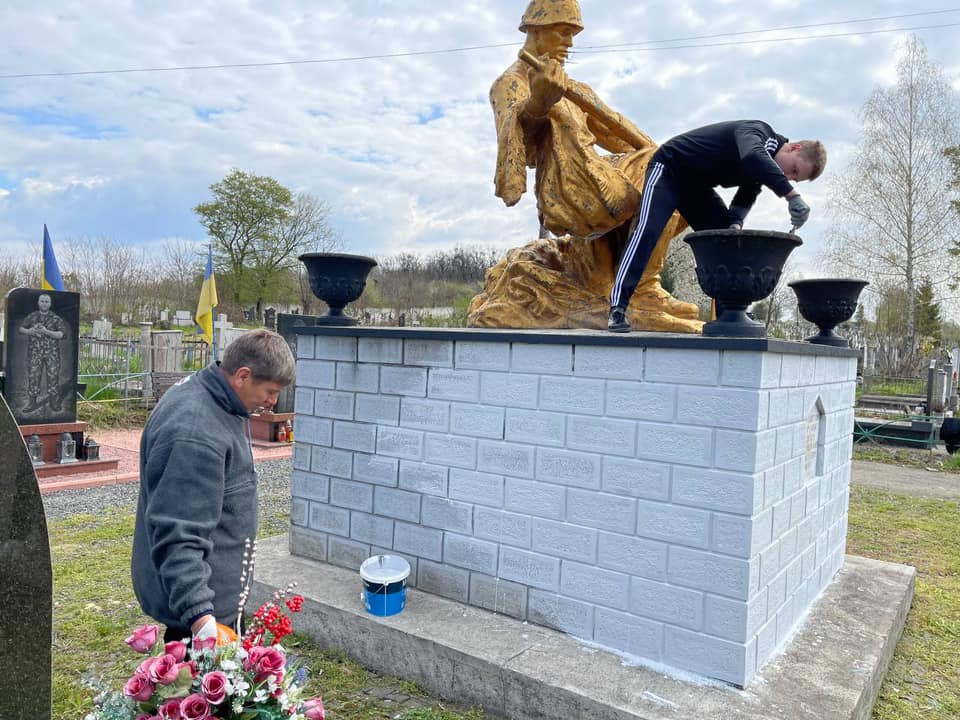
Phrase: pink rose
x=194 y=707
x=214 y=686
x=139 y=688
x=144 y=667
x=191 y=666
x=264 y=662
x=177 y=649
x=170 y=710
x=313 y=709
x=164 y=671
x=143 y=638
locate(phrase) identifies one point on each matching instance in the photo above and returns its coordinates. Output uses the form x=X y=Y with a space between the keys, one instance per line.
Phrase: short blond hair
x=267 y=355
x=814 y=152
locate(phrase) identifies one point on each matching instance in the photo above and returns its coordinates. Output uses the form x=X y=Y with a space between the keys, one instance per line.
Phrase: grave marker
x=40 y=355
x=26 y=583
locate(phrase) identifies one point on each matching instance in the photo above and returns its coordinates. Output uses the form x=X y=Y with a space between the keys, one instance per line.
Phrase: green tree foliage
x=929 y=323
x=259 y=228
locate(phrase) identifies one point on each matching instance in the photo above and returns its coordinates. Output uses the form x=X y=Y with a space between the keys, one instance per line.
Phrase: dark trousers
x=171 y=634
x=663 y=193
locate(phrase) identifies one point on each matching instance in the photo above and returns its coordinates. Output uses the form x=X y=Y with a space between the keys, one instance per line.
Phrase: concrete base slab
x=832 y=669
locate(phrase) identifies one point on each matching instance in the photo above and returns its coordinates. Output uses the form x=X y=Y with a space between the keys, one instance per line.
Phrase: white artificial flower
x=228 y=665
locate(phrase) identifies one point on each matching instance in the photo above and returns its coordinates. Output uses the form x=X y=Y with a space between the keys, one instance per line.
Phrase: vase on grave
x=338 y=279
x=737 y=268
x=827 y=302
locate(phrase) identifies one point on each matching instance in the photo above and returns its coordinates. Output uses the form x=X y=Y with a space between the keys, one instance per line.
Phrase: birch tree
x=892 y=221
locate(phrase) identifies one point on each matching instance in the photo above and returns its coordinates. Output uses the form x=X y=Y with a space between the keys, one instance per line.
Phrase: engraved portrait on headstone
x=41 y=355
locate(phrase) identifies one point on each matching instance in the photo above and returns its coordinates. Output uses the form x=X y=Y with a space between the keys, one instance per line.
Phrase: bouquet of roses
x=236 y=677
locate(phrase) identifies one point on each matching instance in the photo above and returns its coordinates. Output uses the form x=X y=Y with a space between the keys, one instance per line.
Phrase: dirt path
x=907 y=480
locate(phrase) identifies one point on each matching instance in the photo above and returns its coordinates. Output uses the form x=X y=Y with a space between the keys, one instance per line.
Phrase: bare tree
x=109 y=276
x=307 y=229
x=17 y=272
x=892 y=219
x=182 y=264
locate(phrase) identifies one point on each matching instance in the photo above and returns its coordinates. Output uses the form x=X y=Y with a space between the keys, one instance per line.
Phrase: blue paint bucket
x=384 y=584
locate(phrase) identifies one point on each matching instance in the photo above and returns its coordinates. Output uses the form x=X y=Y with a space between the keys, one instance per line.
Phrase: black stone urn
x=737 y=268
x=337 y=279
x=827 y=302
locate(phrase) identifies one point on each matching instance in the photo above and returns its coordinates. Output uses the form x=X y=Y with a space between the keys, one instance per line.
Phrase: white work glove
x=799 y=211
x=207 y=630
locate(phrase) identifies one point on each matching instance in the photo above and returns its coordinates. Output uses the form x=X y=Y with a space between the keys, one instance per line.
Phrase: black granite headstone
x=26 y=583
x=285 y=325
x=40 y=355
x=270 y=318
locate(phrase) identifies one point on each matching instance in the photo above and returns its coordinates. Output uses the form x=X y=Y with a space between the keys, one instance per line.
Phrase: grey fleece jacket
x=197 y=505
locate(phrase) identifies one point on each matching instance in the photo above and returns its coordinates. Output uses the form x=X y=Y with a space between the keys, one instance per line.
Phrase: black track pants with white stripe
x=700 y=206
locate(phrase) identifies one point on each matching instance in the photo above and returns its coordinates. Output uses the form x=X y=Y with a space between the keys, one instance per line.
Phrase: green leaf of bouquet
x=150 y=706
x=179 y=687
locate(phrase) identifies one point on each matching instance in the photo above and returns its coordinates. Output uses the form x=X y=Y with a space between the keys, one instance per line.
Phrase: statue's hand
x=546 y=87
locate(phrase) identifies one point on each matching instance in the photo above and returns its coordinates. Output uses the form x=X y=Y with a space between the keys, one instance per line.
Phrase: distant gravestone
x=167 y=350
x=270 y=318
x=26 y=583
x=183 y=318
x=102 y=329
x=40 y=355
x=164 y=315
x=285 y=327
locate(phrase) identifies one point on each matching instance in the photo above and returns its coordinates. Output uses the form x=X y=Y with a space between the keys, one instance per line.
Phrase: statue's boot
x=650 y=295
x=656 y=321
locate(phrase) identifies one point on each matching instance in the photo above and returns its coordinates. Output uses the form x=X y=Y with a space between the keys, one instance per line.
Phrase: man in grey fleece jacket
x=198 y=488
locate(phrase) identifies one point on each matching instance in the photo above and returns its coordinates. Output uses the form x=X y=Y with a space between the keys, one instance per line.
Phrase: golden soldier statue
x=550 y=122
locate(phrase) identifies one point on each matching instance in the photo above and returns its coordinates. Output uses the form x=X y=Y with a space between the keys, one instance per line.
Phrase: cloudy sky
x=402 y=148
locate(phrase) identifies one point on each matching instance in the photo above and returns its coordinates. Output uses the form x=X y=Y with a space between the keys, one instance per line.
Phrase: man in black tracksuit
x=682 y=175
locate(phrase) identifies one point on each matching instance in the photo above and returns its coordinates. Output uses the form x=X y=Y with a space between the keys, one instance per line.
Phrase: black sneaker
x=617 y=322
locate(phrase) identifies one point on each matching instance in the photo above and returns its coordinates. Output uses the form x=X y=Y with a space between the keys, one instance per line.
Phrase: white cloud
x=129 y=155
x=32 y=187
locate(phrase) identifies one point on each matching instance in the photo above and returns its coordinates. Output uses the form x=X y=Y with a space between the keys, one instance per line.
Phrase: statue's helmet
x=551 y=12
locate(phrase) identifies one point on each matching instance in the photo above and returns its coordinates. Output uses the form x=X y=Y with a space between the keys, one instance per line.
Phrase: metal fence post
x=126 y=374
x=146 y=357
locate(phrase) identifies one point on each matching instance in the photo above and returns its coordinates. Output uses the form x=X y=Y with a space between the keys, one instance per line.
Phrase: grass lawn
x=924 y=676
x=94 y=609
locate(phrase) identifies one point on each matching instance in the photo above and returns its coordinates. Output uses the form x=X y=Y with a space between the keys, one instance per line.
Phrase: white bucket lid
x=384 y=569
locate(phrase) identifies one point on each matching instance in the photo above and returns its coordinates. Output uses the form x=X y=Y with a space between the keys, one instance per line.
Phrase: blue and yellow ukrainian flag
x=50 y=278
x=208 y=301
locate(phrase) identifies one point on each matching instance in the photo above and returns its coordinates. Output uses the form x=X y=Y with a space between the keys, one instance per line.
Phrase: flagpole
x=213 y=312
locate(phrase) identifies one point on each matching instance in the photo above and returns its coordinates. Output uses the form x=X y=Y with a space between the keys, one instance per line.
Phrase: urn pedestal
x=338 y=279
x=737 y=268
x=827 y=302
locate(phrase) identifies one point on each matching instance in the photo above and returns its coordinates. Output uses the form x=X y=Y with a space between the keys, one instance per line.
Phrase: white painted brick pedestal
x=681 y=499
